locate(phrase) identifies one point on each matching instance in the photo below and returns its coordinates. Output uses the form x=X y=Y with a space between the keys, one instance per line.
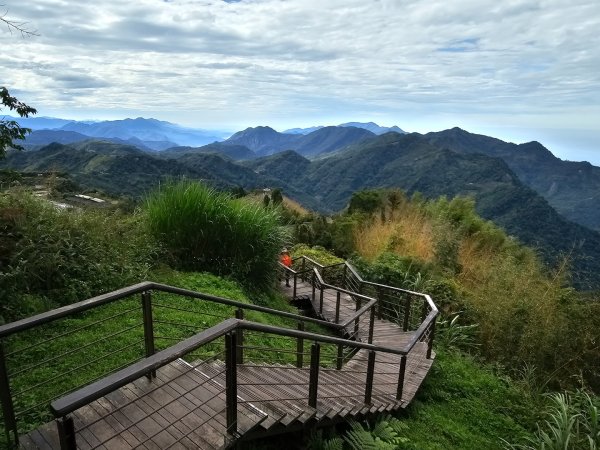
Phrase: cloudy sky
x=519 y=70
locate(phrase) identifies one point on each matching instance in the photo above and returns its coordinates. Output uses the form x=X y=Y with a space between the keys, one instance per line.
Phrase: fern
x=385 y=434
x=358 y=438
x=317 y=442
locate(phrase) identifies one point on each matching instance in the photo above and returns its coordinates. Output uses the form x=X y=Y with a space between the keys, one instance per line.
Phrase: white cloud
x=522 y=63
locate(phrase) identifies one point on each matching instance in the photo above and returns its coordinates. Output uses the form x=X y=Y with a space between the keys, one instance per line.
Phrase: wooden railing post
x=401 y=378
x=66 y=433
x=425 y=310
x=370 y=374
x=8 y=410
x=231 y=382
x=300 y=347
x=357 y=320
x=295 y=284
x=337 y=307
x=148 y=328
x=321 y=301
x=314 y=286
x=313 y=382
x=371 y=324
x=379 y=303
x=239 y=314
x=345 y=277
x=340 y=357
x=431 y=336
x=406 y=313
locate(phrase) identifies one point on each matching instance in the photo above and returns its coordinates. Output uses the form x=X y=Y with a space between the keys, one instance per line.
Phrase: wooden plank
x=184 y=406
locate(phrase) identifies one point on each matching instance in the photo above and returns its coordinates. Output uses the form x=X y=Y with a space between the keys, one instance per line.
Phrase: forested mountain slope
x=572 y=188
x=412 y=163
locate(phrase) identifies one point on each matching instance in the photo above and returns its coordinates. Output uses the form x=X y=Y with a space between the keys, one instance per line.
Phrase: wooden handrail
x=49 y=316
x=230 y=327
x=94 y=391
x=100 y=388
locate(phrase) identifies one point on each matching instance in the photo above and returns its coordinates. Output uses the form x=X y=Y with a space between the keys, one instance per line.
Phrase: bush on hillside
x=526 y=316
x=51 y=257
x=316 y=253
x=206 y=230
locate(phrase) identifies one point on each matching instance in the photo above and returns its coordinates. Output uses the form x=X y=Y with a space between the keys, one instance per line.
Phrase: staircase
x=380 y=350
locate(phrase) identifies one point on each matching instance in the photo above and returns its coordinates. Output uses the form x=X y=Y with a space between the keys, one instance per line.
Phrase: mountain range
x=520 y=187
x=266 y=141
x=369 y=126
x=149 y=133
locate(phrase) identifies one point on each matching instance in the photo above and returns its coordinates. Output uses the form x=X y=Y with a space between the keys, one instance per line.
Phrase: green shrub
x=452 y=335
x=400 y=271
x=572 y=422
x=317 y=253
x=206 y=230
x=51 y=257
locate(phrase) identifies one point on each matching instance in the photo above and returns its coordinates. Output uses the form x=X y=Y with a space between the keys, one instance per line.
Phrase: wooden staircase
x=192 y=405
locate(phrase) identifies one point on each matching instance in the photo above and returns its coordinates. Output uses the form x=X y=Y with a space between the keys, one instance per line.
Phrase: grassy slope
x=111 y=337
x=464 y=405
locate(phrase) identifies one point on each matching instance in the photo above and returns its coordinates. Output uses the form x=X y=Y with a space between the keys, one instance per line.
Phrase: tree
x=276 y=197
x=10 y=129
x=366 y=201
x=16 y=26
x=238 y=192
x=395 y=198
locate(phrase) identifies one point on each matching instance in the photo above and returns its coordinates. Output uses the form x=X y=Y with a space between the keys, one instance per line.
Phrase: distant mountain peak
x=373 y=127
x=369 y=126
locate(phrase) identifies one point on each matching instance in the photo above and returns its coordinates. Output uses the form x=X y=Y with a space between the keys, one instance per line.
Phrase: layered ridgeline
x=266 y=141
x=572 y=188
x=125 y=170
x=146 y=133
x=411 y=162
x=115 y=169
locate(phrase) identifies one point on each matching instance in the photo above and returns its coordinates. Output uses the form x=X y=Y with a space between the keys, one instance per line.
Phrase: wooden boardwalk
x=184 y=406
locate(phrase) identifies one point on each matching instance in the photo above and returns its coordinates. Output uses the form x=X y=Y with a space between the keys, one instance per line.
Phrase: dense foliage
x=570 y=187
x=528 y=318
x=410 y=162
x=572 y=422
x=206 y=230
x=10 y=130
x=51 y=256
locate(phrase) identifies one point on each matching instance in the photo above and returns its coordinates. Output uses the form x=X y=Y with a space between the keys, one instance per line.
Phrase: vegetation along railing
x=412 y=311
x=73 y=355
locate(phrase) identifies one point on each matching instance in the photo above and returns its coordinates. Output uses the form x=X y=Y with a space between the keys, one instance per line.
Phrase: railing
x=229 y=329
x=53 y=355
x=38 y=362
x=412 y=311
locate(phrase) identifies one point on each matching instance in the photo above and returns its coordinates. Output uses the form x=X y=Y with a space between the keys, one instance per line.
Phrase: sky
x=518 y=70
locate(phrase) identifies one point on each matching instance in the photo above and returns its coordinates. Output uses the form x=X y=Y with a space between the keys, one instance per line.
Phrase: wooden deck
x=184 y=407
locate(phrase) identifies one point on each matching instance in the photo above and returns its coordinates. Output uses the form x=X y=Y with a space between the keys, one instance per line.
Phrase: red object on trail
x=286 y=260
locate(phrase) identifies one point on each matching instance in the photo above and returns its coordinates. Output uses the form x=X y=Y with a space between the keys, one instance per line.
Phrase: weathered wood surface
x=184 y=407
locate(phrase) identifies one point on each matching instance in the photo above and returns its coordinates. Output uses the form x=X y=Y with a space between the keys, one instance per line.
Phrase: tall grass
x=206 y=230
x=51 y=257
x=571 y=423
x=409 y=233
x=526 y=314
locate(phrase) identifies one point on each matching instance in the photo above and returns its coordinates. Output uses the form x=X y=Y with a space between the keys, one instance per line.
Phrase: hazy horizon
x=519 y=70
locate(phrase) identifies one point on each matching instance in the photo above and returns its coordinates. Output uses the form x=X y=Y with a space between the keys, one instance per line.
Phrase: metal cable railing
x=142 y=329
